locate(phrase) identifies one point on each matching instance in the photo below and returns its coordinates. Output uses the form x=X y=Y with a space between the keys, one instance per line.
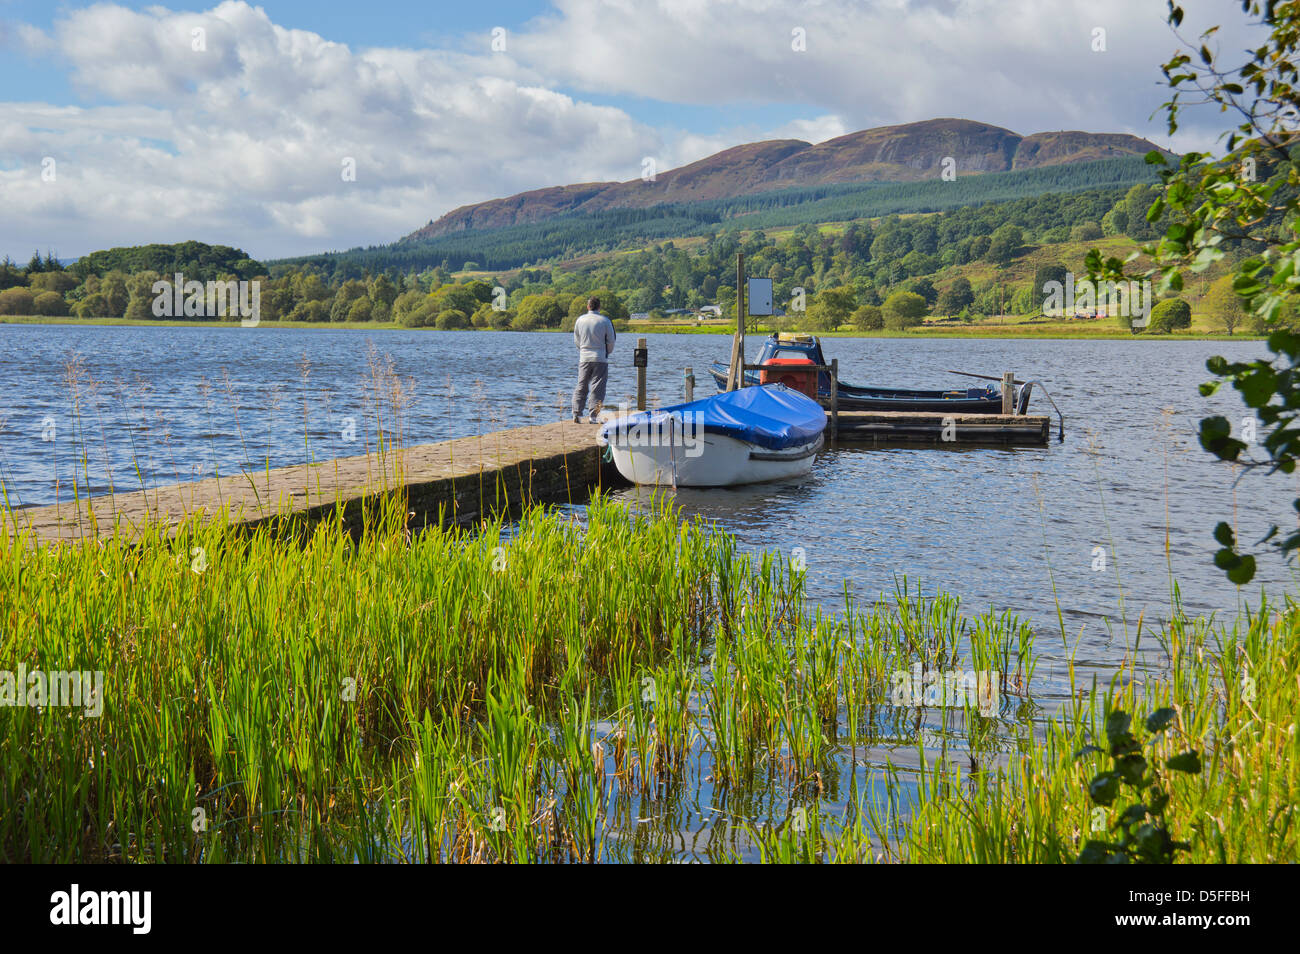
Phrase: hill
x=907 y=153
x=572 y=235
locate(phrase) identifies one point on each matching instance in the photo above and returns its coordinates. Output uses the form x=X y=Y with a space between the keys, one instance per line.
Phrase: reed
x=630 y=688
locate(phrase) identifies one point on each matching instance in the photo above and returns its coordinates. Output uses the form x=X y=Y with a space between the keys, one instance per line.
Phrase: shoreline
x=1023 y=332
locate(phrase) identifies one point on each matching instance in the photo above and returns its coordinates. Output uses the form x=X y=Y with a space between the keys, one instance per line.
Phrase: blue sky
x=241 y=141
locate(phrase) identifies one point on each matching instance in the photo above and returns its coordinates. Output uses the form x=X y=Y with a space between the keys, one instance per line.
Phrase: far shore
x=1019 y=329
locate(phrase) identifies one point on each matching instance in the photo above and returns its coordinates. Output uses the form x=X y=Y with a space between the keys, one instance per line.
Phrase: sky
x=287 y=128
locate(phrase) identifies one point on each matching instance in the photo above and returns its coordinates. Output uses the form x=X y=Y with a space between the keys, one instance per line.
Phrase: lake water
x=982 y=523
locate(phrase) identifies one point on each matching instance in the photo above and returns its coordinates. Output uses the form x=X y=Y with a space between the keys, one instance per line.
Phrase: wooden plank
x=923 y=427
x=457 y=481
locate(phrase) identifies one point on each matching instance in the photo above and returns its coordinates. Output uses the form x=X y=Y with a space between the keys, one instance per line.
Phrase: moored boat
x=779 y=348
x=737 y=437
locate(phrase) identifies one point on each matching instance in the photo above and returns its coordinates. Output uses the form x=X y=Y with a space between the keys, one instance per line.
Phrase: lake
x=986 y=524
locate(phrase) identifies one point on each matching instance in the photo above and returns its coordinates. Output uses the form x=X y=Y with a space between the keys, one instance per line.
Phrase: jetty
x=459 y=481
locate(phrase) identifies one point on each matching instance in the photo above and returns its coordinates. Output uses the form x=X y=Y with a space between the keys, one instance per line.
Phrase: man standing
x=593 y=333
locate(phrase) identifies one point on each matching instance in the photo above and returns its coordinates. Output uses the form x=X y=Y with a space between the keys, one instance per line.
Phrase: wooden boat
x=854 y=397
x=746 y=436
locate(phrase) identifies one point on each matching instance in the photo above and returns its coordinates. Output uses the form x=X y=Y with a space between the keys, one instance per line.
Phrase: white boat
x=738 y=437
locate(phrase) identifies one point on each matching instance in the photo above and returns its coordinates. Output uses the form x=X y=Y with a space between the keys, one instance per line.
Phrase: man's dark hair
x=593 y=303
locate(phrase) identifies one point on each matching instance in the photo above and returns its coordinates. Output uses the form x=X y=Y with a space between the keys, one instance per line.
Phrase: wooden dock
x=453 y=482
x=456 y=481
x=914 y=427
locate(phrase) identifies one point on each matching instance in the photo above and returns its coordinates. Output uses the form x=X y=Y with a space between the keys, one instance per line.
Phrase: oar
x=986 y=377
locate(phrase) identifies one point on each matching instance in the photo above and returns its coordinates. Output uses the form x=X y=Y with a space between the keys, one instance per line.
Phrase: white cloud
x=242 y=141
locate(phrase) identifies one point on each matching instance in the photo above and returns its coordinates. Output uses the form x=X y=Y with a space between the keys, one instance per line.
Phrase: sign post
x=736 y=372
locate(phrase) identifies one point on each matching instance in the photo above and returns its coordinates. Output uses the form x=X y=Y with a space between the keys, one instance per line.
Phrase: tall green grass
x=628 y=687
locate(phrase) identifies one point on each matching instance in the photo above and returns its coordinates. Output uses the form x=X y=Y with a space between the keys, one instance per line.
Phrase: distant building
x=714 y=310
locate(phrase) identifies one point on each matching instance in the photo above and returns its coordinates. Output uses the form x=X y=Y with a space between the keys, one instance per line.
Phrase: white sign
x=759 y=296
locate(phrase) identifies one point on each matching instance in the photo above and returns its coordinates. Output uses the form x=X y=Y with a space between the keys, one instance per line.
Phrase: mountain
x=906 y=153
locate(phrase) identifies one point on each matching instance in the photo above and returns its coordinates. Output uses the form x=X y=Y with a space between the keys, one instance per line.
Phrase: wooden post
x=736 y=371
x=690 y=385
x=742 y=306
x=640 y=375
x=1008 y=392
x=835 y=397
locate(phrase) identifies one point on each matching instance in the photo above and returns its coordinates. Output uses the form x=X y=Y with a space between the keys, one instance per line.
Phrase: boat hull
x=720 y=461
x=856 y=398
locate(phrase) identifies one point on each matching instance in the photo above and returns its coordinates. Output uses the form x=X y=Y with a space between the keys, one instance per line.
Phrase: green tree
x=538 y=311
x=50 y=303
x=61 y=282
x=115 y=294
x=383 y=290
x=868 y=318
x=92 y=306
x=1170 y=315
x=361 y=309
x=904 y=309
x=453 y=319
x=1248 y=198
x=16 y=301
x=956 y=297
x=1223 y=306
x=1005 y=244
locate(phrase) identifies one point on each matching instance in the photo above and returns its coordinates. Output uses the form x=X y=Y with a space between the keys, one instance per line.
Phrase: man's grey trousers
x=592 y=377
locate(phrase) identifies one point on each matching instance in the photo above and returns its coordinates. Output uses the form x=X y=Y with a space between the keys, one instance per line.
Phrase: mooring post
x=835 y=397
x=1008 y=392
x=640 y=359
x=690 y=385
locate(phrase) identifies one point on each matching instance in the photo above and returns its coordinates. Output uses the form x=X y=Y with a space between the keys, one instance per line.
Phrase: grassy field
x=628 y=689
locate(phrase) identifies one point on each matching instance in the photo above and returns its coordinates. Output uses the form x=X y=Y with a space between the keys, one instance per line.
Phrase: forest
x=889 y=271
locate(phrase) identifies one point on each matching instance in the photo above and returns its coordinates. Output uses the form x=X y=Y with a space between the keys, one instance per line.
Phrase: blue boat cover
x=771 y=416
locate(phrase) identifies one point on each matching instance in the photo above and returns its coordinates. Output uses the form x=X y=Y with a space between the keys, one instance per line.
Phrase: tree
x=114 y=291
x=868 y=318
x=453 y=320
x=836 y=304
x=11 y=275
x=50 y=303
x=1137 y=201
x=956 y=297
x=383 y=290
x=16 y=301
x=92 y=306
x=60 y=282
x=1170 y=315
x=1247 y=199
x=925 y=288
x=1223 y=305
x=537 y=311
x=1045 y=274
x=1005 y=244
x=361 y=310
x=904 y=309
